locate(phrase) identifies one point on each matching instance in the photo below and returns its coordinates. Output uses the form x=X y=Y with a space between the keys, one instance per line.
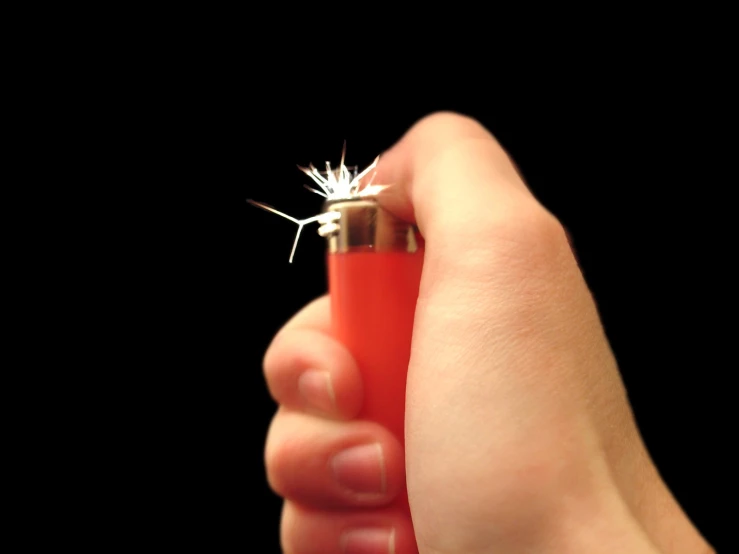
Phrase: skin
x=519 y=434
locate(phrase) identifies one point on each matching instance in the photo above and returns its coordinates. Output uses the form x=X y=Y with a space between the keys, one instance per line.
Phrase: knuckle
x=526 y=238
x=275 y=457
x=281 y=360
x=517 y=265
x=287 y=525
x=531 y=257
x=272 y=354
x=529 y=242
x=534 y=237
x=269 y=371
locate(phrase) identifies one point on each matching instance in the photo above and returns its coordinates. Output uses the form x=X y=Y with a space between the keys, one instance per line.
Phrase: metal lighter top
x=361 y=224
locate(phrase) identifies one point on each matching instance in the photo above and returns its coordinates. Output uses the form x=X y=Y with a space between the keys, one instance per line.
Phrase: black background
x=160 y=287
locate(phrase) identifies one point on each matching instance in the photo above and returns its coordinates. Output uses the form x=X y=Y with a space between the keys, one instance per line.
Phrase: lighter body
x=374 y=271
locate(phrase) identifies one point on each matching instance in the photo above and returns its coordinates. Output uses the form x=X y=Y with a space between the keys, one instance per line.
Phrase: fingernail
x=317 y=390
x=361 y=469
x=368 y=541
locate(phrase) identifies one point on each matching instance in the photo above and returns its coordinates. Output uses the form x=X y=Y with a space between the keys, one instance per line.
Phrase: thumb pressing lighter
x=374 y=270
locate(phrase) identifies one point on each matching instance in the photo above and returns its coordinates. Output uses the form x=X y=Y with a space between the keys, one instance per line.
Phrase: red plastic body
x=373 y=302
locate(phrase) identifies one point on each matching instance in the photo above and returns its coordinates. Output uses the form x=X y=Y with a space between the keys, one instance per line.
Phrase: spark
x=338 y=184
x=335 y=184
x=300 y=222
x=318 y=192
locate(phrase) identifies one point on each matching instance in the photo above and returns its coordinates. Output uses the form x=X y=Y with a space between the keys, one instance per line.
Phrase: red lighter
x=374 y=270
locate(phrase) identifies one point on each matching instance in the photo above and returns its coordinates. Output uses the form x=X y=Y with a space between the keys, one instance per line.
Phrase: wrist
x=603 y=524
x=611 y=521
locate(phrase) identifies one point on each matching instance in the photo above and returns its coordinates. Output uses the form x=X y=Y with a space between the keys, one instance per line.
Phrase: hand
x=519 y=435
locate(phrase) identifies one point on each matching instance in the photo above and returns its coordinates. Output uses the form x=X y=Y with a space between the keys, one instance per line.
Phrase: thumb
x=436 y=179
x=504 y=322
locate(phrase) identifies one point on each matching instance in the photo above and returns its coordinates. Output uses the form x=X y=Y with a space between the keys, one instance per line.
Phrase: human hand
x=519 y=435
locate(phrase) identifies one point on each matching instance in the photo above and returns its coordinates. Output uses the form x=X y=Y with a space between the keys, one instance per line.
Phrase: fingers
x=382 y=531
x=328 y=464
x=308 y=370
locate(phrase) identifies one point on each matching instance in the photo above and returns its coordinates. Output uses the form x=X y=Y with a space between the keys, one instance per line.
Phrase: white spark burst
x=336 y=184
